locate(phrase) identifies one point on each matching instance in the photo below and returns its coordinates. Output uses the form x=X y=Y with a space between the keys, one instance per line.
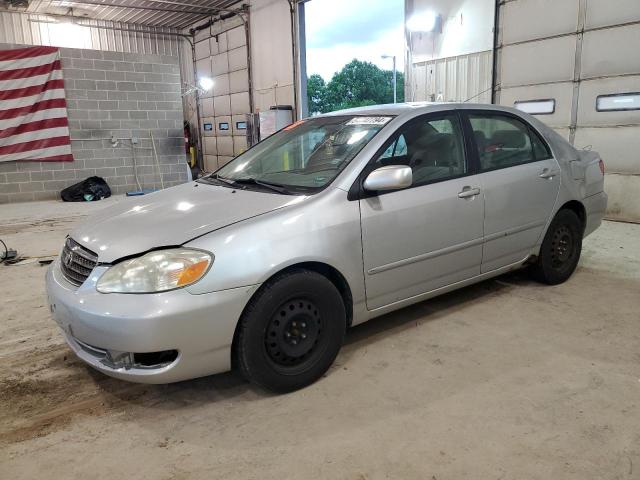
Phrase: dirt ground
x=507 y=379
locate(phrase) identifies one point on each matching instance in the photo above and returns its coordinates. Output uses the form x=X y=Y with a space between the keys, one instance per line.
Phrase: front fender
x=325 y=229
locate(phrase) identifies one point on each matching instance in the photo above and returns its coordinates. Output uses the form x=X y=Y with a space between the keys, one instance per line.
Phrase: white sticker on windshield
x=369 y=121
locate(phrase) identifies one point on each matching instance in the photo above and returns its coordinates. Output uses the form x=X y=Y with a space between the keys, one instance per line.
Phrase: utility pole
x=395 y=83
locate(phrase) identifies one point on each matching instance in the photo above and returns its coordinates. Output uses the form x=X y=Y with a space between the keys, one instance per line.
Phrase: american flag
x=33 y=108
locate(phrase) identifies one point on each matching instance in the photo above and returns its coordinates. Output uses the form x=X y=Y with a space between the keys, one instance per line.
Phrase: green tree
x=316 y=94
x=358 y=84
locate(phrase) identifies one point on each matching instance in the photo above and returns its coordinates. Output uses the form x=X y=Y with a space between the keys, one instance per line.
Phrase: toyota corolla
x=263 y=265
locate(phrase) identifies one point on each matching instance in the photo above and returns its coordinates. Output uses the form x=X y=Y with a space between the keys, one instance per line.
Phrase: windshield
x=305 y=156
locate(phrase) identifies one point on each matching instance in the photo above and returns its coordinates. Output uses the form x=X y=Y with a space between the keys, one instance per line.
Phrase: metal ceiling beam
x=99 y=3
x=185 y=4
x=145 y=28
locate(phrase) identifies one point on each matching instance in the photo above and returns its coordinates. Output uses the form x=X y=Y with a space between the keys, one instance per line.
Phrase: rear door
x=428 y=235
x=520 y=180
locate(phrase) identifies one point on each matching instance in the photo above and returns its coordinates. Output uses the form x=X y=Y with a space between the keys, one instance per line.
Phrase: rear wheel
x=291 y=331
x=560 y=250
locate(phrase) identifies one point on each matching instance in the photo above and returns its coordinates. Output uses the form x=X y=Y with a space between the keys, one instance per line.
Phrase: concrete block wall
x=126 y=95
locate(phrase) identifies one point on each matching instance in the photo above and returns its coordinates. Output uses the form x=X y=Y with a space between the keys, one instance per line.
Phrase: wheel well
x=577 y=207
x=333 y=275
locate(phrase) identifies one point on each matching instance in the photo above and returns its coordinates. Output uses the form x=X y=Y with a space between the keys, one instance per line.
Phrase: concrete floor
x=505 y=379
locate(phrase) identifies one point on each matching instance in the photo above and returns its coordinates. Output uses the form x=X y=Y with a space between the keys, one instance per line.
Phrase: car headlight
x=156 y=271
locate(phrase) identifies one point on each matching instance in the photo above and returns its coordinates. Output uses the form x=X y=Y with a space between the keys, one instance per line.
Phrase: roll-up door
x=223 y=57
x=582 y=58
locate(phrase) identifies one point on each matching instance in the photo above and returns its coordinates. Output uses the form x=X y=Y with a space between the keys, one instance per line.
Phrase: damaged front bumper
x=149 y=338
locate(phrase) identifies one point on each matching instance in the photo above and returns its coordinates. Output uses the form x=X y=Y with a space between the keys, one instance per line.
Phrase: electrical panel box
x=263 y=124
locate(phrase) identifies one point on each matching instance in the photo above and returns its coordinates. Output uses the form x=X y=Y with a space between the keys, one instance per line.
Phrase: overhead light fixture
x=205 y=83
x=423 y=22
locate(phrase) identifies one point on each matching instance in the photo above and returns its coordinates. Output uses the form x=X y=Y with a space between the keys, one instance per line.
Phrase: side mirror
x=391 y=177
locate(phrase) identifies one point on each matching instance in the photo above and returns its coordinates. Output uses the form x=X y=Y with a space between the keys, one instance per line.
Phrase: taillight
x=601 y=165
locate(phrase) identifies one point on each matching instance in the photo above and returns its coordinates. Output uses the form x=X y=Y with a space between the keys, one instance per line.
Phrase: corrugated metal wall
x=453 y=79
x=20 y=28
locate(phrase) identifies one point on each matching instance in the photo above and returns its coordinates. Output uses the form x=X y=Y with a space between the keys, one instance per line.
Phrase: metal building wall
x=221 y=53
x=27 y=29
x=572 y=51
x=247 y=78
x=455 y=79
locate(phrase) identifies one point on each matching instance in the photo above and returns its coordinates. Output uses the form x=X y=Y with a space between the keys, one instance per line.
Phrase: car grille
x=76 y=262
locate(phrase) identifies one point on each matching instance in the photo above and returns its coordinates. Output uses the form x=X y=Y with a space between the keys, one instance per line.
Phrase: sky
x=340 y=30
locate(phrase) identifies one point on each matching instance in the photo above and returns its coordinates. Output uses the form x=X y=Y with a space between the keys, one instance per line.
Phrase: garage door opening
x=351 y=49
x=449 y=50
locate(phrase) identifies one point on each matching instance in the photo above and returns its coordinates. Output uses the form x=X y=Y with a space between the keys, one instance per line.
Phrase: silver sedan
x=330 y=222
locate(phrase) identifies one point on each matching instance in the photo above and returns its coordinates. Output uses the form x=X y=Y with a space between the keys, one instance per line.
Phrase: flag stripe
x=24 y=101
x=28 y=52
x=34 y=126
x=29 y=71
x=34 y=107
x=28 y=91
x=33 y=136
x=34 y=117
x=58 y=158
x=18 y=83
x=28 y=62
x=37 y=153
x=33 y=110
x=35 y=144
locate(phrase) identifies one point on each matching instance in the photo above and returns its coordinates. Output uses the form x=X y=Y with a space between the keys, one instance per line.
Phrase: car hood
x=171 y=217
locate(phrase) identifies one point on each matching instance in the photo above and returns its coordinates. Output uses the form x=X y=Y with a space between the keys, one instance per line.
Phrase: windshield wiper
x=271 y=186
x=226 y=180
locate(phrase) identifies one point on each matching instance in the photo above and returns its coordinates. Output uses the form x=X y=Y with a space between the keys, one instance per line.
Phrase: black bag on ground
x=93 y=188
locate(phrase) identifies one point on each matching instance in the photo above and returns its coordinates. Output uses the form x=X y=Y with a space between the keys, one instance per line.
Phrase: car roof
x=417 y=108
x=412 y=109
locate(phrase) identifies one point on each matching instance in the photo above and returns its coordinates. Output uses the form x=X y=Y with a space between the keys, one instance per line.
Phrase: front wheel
x=291 y=331
x=560 y=250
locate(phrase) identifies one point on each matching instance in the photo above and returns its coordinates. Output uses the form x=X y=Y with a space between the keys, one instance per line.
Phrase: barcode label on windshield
x=369 y=121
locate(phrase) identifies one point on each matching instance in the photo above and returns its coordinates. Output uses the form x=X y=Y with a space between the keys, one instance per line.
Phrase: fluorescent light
x=422 y=22
x=205 y=83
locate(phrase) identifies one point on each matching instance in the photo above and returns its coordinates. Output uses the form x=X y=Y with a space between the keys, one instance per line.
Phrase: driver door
x=429 y=235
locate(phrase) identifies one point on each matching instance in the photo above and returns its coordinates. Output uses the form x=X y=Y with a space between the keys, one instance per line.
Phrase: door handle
x=468 y=192
x=547 y=173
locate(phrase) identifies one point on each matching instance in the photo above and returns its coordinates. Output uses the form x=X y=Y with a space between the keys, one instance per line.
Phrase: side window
x=432 y=147
x=504 y=142
x=397 y=149
x=540 y=149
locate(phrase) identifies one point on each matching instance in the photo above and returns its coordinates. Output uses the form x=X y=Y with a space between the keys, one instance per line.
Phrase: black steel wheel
x=562 y=247
x=560 y=250
x=294 y=333
x=291 y=331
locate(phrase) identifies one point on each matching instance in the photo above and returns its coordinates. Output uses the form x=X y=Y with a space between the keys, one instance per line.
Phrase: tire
x=560 y=250
x=291 y=331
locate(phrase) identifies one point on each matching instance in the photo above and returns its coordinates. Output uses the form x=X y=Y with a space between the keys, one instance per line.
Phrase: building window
x=618 y=102
x=66 y=35
x=537 y=107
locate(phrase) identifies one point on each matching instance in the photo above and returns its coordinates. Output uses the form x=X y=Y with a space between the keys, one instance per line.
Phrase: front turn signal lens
x=192 y=273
